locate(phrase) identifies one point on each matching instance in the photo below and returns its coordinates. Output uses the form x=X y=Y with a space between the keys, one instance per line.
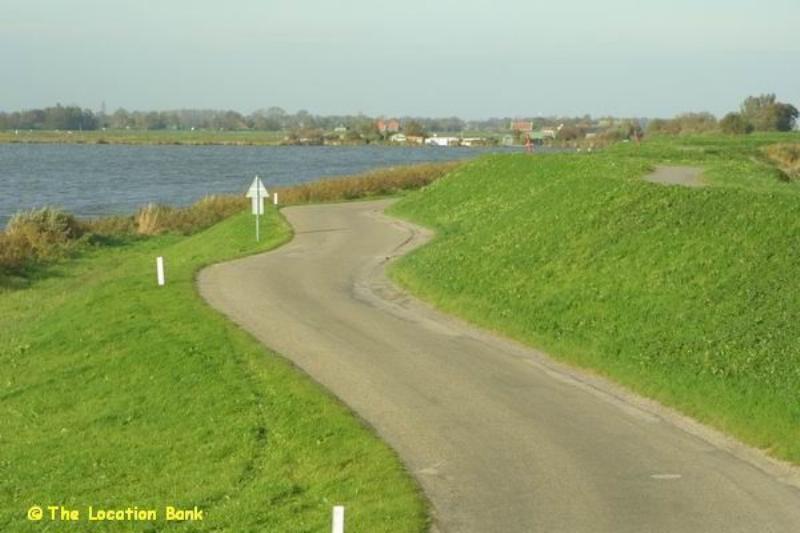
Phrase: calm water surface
x=94 y=180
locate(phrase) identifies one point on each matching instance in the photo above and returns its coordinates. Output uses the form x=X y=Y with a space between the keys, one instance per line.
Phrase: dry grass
x=111 y=225
x=155 y=219
x=38 y=235
x=787 y=157
x=43 y=235
x=381 y=182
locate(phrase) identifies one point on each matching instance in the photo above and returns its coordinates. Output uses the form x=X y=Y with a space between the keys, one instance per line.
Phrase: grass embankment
x=176 y=137
x=686 y=295
x=759 y=162
x=116 y=393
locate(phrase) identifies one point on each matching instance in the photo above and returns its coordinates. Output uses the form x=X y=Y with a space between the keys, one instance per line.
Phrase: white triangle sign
x=257 y=192
x=257 y=189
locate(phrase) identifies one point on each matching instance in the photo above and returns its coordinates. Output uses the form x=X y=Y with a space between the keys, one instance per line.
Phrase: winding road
x=501 y=438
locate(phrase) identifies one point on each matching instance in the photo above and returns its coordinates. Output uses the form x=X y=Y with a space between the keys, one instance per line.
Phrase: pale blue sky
x=406 y=57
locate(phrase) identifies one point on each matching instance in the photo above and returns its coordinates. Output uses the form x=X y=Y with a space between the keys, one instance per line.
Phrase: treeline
x=272 y=119
x=757 y=113
x=51 y=118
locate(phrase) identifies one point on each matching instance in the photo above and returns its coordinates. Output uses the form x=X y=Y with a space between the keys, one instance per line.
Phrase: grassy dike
x=117 y=393
x=689 y=296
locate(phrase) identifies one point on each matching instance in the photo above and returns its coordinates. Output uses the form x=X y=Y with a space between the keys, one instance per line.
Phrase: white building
x=442 y=141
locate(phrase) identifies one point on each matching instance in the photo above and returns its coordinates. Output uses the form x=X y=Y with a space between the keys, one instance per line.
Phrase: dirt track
x=676 y=175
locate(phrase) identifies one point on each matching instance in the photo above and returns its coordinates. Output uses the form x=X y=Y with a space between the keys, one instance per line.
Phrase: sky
x=472 y=59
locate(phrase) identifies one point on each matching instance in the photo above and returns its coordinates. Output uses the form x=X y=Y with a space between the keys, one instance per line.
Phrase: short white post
x=338 y=519
x=275 y=198
x=160 y=270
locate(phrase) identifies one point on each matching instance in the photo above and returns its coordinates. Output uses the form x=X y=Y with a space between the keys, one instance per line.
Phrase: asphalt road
x=501 y=438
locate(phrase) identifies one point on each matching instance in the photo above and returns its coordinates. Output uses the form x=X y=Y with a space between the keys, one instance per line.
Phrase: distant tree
x=765 y=113
x=269 y=120
x=229 y=120
x=735 y=124
x=571 y=133
x=304 y=120
x=63 y=118
x=786 y=116
x=275 y=112
x=367 y=128
x=120 y=119
x=154 y=121
x=414 y=129
x=696 y=122
x=659 y=125
x=684 y=123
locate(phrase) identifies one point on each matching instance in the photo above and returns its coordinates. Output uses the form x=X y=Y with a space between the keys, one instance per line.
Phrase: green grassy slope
x=115 y=393
x=686 y=295
x=729 y=160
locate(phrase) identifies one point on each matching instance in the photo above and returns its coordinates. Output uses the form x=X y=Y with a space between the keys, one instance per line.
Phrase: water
x=95 y=180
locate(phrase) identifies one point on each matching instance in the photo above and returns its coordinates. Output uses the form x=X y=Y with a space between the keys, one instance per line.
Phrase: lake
x=95 y=180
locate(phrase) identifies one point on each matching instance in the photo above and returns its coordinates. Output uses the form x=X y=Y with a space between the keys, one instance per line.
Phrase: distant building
x=521 y=125
x=442 y=141
x=341 y=128
x=474 y=141
x=388 y=126
x=415 y=139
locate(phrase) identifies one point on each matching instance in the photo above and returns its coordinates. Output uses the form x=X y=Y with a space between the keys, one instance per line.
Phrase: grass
x=740 y=161
x=685 y=295
x=376 y=183
x=115 y=392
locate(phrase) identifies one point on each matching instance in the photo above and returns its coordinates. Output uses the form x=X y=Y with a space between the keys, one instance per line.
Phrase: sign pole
x=256 y=193
x=258 y=210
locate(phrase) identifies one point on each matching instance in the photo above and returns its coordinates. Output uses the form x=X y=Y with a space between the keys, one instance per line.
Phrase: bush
x=684 y=123
x=154 y=219
x=46 y=234
x=786 y=157
x=36 y=235
x=735 y=124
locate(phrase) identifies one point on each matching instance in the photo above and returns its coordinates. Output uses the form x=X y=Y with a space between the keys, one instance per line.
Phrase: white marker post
x=274 y=198
x=160 y=270
x=257 y=192
x=338 y=519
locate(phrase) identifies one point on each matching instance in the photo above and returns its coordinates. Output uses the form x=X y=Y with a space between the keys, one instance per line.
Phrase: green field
x=177 y=137
x=685 y=295
x=116 y=393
